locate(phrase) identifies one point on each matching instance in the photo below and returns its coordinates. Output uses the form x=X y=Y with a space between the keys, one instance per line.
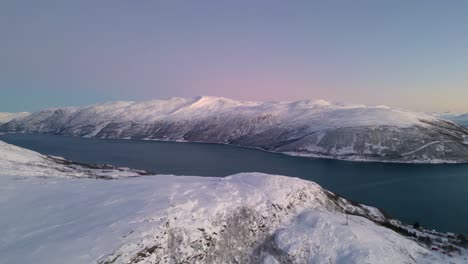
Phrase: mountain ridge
x=305 y=127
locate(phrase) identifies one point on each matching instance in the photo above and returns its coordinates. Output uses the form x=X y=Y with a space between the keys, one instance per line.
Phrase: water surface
x=434 y=195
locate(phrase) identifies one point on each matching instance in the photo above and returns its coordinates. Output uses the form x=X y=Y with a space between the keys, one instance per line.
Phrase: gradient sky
x=407 y=54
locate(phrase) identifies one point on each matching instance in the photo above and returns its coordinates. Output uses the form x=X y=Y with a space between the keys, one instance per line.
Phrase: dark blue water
x=434 y=195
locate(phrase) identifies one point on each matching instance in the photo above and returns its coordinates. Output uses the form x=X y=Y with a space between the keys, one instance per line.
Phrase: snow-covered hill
x=7 y=117
x=244 y=218
x=25 y=163
x=310 y=128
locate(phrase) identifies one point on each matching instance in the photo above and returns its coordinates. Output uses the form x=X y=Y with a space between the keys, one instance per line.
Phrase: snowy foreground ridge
x=243 y=218
x=309 y=128
x=22 y=162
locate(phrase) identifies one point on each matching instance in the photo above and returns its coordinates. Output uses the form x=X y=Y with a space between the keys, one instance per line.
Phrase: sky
x=405 y=54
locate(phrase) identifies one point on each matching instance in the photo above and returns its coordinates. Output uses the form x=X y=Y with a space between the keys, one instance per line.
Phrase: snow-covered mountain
x=310 y=128
x=6 y=117
x=244 y=218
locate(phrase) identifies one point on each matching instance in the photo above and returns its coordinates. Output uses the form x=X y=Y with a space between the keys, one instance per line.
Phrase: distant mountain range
x=6 y=117
x=308 y=128
x=461 y=119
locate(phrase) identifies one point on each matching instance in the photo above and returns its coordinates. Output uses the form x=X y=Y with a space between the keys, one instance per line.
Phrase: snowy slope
x=25 y=163
x=310 y=128
x=6 y=117
x=169 y=219
x=248 y=218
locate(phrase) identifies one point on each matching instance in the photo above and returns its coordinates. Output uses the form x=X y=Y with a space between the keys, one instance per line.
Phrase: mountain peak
x=321 y=102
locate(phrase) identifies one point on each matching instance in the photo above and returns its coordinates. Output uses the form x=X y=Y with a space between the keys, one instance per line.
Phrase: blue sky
x=407 y=54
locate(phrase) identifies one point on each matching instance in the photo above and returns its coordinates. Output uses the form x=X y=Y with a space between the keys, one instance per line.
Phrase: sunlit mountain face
x=306 y=128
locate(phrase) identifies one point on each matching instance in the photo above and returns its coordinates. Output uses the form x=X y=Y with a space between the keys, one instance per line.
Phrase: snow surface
x=6 y=117
x=83 y=221
x=247 y=217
